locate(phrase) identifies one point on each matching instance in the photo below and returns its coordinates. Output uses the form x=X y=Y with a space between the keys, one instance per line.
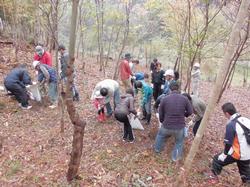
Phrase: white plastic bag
x=35 y=93
x=158 y=117
x=135 y=122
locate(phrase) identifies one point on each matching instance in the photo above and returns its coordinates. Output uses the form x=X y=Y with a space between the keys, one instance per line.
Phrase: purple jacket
x=173 y=110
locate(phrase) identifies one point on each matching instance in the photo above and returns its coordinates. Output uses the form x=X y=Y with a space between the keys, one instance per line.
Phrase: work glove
x=222 y=157
x=162 y=86
x=152 y=86
x=190 y=123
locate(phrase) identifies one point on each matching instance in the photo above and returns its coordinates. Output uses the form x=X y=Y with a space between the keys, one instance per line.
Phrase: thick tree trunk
x=79 y=124
x=230 y=49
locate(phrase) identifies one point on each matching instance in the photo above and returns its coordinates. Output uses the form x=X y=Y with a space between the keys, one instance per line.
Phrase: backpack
x=246 y=132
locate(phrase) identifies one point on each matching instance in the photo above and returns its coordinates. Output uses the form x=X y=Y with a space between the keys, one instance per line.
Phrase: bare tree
x=125 y=36
x=79 y=124
x=230 y=49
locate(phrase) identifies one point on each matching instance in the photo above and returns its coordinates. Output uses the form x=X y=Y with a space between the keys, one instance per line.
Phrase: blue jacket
x=52 y=74
x=19 y=76
x=139 y=76
x=147 y=92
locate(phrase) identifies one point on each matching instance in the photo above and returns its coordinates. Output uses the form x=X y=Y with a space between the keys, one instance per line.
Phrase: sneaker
x=53 y=106
x=131 y=141
x=26 y=107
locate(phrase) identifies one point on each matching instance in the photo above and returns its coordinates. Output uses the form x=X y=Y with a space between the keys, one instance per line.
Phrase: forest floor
x=35 y=153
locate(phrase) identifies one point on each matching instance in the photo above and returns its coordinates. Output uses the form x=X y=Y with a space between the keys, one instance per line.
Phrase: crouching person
x=147 y=93
x=236 y=147
x=99 y=105
x=108 y=89
x=15 y=82
x=122 y=111
x=47 y=74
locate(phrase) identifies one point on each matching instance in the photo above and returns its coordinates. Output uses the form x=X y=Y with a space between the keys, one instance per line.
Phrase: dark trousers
x=157 y=91
x=127 y=132
x=243 y=166
x=196 y=126
x=19 y=92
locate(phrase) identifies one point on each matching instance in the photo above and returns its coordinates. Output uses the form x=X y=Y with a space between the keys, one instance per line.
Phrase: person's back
x=51 y=71
x=18 y=75
x=198 y=105
x=111 y=85
x=173 y=110
x=139 y=76
x=126 y=105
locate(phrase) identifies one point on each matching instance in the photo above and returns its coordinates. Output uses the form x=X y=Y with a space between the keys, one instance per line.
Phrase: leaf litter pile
x=34 y=152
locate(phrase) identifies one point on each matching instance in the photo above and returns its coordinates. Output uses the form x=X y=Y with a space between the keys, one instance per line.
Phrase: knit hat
x=127 y=56
x=61 y=46
x=197 y=65
x=169 y=72
x=39 y=50
x=35 y=63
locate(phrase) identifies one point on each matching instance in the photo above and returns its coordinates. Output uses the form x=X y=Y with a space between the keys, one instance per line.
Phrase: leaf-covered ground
x=34 y=152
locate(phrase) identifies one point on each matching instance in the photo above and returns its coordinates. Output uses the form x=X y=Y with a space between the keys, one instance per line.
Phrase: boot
x=148 y=117
x=103 y=116
x=100 y=118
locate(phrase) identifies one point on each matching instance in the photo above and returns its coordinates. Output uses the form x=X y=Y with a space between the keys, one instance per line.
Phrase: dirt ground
x=35 y=153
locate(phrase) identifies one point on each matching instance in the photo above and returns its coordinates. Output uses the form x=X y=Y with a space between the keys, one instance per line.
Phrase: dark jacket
x=19 y=76
x=158 y=77
x=126 y=105
x=152 y=66
x=173 y=110
x=64 y=63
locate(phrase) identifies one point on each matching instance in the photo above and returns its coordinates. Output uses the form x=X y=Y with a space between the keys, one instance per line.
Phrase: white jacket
x=110 y=84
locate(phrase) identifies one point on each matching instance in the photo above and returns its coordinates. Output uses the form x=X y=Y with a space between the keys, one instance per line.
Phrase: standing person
x=195 y=78
x=199 y=108
x=147 y=93
x=132 y=65
x=122 y=111
x=47 y=74
x=157 y=81
x=44 y=57
x=125 y=71
x=64 y=59
x=15 y=82
x=153 y=65
x=169 y=76
x=172 y=112
x=107 y=88
x=236 y=147
x=177 y=79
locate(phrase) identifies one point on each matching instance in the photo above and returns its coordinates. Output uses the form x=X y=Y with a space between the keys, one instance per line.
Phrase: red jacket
x=45 y=59
x=125 y=70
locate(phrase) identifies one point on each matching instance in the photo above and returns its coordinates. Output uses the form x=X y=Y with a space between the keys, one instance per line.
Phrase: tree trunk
x=109 y=46
x=126 y=32
x=230 y=49
x=79 y=124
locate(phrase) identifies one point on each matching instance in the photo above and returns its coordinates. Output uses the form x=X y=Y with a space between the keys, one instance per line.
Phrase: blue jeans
x=163 y=134
x=53 y=92
x=116 y=102
x=147 y=106
x=73 y=89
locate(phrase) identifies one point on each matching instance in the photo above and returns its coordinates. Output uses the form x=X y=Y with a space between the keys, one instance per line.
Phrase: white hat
x=197 y=65
x=35 y=63
x=169 y=72
x=98 y=94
